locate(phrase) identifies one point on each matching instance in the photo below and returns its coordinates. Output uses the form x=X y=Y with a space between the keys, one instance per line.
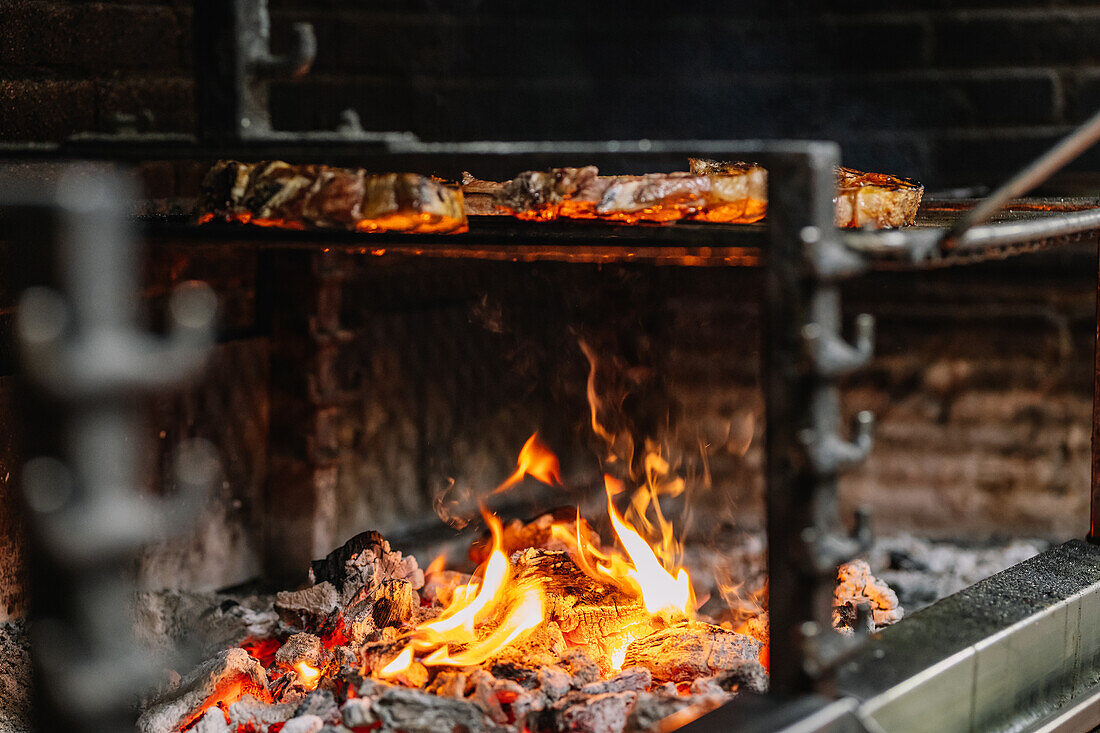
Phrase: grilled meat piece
x=875 y=199
x=728 y=192
x=278 y=194
x=579 y=193
x=862 y=199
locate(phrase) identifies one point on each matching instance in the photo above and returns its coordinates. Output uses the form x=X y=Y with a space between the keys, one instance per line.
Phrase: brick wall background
x=954 y=93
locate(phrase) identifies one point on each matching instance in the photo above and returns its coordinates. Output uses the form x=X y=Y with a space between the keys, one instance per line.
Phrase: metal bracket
x=833 y=356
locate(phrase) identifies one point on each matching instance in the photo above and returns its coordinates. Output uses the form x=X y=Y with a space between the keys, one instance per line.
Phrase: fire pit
x=574 y=600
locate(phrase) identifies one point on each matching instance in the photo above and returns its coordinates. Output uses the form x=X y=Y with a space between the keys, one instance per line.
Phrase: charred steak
x=729 y=192
x=317 y=196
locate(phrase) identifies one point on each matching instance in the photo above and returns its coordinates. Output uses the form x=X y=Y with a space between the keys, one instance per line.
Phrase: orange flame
x=660 y=591
x=537 y=461
x=483 y=617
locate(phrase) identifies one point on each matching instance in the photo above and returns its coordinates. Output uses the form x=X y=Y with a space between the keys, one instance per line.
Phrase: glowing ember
x=308 y=674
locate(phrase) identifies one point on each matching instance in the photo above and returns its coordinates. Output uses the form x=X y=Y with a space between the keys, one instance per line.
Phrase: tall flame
x=484 y=616
x=659 y=589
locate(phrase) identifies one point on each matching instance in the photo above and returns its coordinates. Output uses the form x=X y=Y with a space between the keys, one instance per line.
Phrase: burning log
x=686 y=651
x=543 y=646
x=537 y=534
x=588 y=612
x=218 y=682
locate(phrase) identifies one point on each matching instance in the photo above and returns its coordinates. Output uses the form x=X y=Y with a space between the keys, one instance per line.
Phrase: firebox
x=526 y=473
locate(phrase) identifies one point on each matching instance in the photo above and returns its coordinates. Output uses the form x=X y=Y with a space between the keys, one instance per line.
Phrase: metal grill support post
x=85 y=365
x=803 y=356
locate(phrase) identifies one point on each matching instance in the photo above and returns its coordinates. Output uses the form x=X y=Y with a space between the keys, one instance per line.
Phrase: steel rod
x=1069 y=148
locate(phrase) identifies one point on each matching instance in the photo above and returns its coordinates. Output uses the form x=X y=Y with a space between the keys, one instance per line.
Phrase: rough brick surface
x=897 y=87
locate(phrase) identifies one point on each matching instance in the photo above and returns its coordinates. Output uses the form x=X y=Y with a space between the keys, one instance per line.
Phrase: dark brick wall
x=950 y=92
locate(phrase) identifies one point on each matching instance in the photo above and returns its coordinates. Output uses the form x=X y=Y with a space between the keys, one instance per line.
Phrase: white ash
x=248 y=711
x=922 y=571
x=319 y=704
x=212 y=721
x=165 y=620
x=303 y=724
x=169 y=713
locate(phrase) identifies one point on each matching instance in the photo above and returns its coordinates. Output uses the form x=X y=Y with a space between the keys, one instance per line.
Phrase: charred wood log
x=393 y=603
x=686 y=651
x=362 y=564
x=309 y=608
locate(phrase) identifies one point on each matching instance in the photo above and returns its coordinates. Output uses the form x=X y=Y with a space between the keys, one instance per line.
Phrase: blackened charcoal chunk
x=525 y=676
x=599 y=714
x=320 y=703
x=333 y=567
x=750 y=676
x=650 y=709
x=583 y=668
x=634 y=679
x=417 y=711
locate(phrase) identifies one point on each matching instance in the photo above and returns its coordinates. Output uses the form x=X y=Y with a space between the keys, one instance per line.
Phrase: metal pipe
x=1068 y=149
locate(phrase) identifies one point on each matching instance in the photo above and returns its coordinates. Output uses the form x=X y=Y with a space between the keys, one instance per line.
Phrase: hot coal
x=221 y=679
